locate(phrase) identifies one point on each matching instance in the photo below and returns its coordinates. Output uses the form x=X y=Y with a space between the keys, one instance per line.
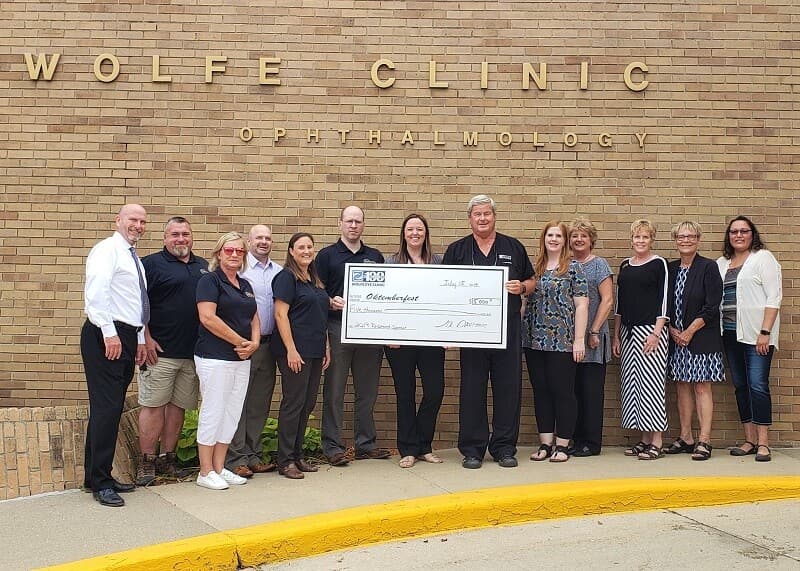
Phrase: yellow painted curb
x=364 y=525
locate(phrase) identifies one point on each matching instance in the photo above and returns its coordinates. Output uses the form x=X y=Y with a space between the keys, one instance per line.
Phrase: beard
x=180 y=251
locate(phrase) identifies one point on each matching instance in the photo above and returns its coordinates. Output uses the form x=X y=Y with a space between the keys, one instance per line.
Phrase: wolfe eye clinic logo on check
x=368 y=278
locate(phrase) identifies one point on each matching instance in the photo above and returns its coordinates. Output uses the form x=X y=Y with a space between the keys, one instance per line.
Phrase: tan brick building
x=613 y=110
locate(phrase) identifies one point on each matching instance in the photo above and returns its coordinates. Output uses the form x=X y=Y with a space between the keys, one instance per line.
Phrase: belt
x=266 y=338
x=123 y=325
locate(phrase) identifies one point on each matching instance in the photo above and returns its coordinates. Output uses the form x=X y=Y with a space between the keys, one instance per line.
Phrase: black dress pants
x=297 y=403
x=552 y=375
x=504 y=368
x=590 y=382
x=416 y=427
x=107 y=382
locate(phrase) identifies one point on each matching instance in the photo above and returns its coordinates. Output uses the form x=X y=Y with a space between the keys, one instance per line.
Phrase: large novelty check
x=456 y=306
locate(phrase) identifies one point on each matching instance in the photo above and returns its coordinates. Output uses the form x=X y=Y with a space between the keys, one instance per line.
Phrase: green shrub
x=187 y=442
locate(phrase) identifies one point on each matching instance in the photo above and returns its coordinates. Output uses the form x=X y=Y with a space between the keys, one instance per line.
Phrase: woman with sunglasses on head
x=590 y=376
x=302 y=349
x=416 y=426
x=695 y=359
x=752 y=294
x=553 y=337
x=229 y=334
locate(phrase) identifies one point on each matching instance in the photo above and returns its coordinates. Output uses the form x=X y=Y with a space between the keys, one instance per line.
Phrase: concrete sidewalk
x=68 y=526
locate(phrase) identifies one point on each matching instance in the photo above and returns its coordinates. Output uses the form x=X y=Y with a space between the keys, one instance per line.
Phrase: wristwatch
x=765 y=332
x=524 y=288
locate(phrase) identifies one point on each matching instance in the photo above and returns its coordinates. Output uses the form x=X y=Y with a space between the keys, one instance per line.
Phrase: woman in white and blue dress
x=641 y=342
x=695 y=360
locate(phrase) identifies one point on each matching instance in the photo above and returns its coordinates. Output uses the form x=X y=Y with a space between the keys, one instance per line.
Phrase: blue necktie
x=142 y=289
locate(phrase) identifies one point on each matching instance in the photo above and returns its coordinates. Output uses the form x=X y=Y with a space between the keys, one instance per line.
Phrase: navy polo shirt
x=235 y=306
x=330 y=266
x=506 y=251
x=308 y=315
x=171 y=287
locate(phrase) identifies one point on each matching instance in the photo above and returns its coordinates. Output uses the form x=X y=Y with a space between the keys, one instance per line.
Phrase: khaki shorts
x=169 y=380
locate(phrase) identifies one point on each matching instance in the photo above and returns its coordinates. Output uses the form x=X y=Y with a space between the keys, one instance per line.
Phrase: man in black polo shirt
x=168 y=384
x=364 y=360
x=486 y=247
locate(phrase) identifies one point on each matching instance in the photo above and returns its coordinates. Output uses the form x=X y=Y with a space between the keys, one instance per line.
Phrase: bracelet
x=765 y=332
x=594 y=333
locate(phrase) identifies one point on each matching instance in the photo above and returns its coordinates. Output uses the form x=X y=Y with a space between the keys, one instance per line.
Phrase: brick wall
x=721 y=113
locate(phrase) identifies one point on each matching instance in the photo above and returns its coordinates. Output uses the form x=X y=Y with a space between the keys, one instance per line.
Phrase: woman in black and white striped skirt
x=641 y=342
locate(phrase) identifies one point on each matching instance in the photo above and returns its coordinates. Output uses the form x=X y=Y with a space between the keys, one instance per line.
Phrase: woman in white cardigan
x=750 y=328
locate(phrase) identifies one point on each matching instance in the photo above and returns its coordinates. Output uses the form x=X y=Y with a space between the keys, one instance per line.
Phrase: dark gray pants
x=365 y=363
x=299 y=397
x=246 y=447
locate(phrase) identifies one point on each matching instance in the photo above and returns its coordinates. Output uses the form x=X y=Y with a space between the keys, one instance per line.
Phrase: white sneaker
x=212 y=481
x=231 y=478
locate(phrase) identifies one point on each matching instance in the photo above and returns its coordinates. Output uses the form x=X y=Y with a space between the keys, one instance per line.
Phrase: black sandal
x=636 y=449
x=652 y=452
x=679 y=447
x=560 y=450
x=702 y=451
x=763 y=457
x=739 y=451
x=547 y=448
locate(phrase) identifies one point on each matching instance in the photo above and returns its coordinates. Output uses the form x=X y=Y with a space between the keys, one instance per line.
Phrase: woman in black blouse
x=641 y=341
x=302 y=350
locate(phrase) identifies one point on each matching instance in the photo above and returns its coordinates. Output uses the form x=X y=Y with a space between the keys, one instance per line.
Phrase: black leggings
x=552 y=376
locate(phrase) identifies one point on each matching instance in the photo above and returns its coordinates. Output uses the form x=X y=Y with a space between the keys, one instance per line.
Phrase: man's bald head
x=131 y=222
x=259 y=242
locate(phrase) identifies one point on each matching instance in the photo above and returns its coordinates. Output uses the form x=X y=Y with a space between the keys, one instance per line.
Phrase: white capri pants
x=223 y=386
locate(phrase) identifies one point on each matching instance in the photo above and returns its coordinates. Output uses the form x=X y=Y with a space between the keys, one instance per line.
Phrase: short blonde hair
x=690 y=225
x=213 y=263
x=584 y=225
x=643 y=224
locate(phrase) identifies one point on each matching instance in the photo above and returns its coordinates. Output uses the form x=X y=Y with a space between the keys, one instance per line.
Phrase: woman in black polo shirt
x=228 y=335
x=302 y=350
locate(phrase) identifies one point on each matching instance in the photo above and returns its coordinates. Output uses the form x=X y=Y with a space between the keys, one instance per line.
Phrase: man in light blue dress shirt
x=244 y=453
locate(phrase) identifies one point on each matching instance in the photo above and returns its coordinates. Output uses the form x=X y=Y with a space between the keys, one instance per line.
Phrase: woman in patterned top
x=641 y=342
x=553 y=330
x=750 y=322
x=590 y=378
x=695 y=360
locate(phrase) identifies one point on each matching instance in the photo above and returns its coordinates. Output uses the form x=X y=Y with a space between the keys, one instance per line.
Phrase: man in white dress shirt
x=112 y=344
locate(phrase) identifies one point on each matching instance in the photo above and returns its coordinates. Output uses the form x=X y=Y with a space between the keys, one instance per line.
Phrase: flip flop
x=431 y=458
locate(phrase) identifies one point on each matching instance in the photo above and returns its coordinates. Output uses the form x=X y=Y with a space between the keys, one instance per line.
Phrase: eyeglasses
x=740 y=232
x=686 y=237
x=230 y=250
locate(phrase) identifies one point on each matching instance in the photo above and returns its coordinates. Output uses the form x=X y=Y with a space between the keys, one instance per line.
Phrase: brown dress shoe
x=306 y=466
x=338 y=459
x=291 y=472
x=261 y=467
x=243 y=471
x=374 y=454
